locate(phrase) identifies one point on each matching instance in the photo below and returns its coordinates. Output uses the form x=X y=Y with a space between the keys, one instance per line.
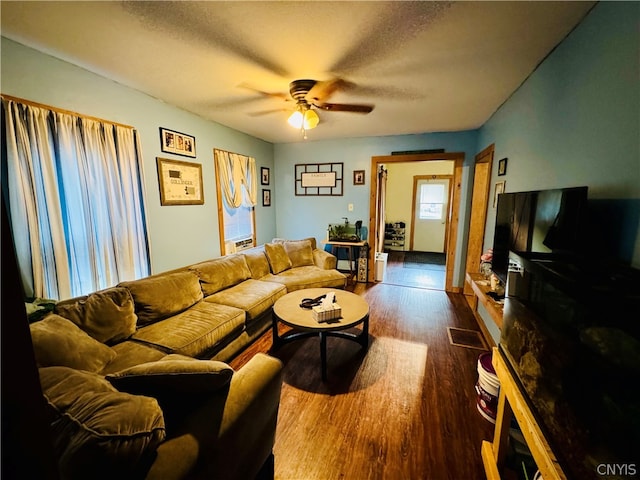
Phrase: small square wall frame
x=319 y=179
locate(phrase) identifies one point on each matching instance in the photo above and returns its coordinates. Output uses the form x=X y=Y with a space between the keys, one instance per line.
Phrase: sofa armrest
x=232 y=434
x=324 y=259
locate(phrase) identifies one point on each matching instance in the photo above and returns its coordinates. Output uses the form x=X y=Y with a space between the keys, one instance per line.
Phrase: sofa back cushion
x=162 y=296
x=60 y=342
x=300 y=252
x=107 y=315
x=221 y=273
x=277 y=256
x=314 y=244
x=97 y=431
x=257 y=262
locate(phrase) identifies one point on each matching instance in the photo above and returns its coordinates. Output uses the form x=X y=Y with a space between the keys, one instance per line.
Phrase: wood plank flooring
x=404 y=409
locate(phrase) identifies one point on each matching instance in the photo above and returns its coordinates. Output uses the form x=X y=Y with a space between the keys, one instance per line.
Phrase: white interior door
x=430 y=218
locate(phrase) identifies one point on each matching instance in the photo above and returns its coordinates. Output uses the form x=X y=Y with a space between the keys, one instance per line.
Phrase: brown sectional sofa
x=154 y=337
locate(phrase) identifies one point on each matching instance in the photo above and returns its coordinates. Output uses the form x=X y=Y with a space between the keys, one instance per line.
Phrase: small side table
x=349 y=246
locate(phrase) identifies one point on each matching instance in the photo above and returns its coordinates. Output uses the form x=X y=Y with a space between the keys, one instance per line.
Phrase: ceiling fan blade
x=281 y=96
x=321 y=91
x=341 y=107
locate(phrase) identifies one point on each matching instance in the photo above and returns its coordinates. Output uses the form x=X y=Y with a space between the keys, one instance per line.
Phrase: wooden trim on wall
x=479 y=204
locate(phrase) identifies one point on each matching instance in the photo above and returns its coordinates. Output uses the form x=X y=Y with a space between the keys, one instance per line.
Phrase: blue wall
x=179 y=235
x=309 y=216
x=576 y=120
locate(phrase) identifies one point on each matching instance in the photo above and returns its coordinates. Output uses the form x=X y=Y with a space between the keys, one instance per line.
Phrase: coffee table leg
x=276 y=340
x=323 y=355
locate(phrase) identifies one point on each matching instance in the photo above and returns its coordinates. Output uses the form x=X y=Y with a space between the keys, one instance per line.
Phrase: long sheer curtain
x=76 y=201
x=381 y=207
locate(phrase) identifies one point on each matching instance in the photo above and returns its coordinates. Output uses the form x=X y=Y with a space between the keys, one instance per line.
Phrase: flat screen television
x=541 y=221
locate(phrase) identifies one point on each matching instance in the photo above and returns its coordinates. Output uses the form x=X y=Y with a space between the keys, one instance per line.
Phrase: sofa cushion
x=196 y=331
x=299 y=252
x=253 y=296
x=97 y=431
x=257 y=262
x=162 y=296
x=277 y=256
x=173 y=375
x=58 y=341
x=221 y=273
x=107 y=315
x=308 y=277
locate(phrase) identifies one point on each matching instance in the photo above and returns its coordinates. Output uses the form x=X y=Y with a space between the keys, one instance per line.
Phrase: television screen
x=543 y=221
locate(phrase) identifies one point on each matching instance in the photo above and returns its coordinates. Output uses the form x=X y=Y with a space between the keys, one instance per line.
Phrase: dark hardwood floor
x=404 y=409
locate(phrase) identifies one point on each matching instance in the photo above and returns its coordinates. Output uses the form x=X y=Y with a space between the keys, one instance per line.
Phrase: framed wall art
x=319 y=179
x=266 y=197
x=502 y=167
x=358 y=177
x=180 y=182
x=178 y=143
x=264 y=176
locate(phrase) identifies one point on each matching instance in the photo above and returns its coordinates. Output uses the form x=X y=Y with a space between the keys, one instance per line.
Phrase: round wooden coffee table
x=287 y=310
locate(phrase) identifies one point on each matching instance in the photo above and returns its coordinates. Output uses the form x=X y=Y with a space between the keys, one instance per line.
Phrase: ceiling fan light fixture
x=296 y=119
x=311 y=119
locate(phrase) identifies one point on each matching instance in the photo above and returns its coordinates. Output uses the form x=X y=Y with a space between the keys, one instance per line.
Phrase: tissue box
x=323 y=314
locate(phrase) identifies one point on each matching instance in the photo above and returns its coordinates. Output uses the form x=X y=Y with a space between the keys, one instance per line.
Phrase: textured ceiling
x=426 y=66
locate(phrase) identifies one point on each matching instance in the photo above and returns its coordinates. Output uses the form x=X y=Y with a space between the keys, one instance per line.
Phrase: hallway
x=416 y=269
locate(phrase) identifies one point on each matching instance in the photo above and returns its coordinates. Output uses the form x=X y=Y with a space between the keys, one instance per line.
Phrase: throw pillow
x=58 y=341
x=277 y=256
x=300 y=252
x=107 y=315
x=97 y=431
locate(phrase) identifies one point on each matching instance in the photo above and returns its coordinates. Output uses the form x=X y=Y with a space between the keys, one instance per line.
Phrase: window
x=432 y=198
x=76 y=201
x=237 y=191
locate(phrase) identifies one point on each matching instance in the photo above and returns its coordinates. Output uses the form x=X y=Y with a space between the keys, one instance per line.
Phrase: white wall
x=179 y=235
x=399 y=205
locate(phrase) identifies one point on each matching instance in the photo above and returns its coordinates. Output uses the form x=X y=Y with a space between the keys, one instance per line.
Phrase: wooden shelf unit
x=512 y=402
x=481 y=286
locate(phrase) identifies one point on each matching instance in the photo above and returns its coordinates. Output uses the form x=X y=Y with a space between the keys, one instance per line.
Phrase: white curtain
x=76 y=201
x=381 y=207
x=237 y=178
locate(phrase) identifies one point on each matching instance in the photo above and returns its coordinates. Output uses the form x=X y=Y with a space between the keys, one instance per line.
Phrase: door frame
x=416 y=179
x=478 y=220
x=453 y=212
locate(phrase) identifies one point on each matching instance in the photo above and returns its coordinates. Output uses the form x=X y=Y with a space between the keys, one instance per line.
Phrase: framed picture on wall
x=176 y=142
x=264 y=176
x=180 y=182
x=502 y=167
x=266 y=197
x=358 y=177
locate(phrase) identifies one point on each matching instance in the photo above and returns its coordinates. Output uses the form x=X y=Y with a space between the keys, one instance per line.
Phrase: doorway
x=376 y=225
x=429 y=222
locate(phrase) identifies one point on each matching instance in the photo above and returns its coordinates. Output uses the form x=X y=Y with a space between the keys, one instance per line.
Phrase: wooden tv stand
x=512 y=402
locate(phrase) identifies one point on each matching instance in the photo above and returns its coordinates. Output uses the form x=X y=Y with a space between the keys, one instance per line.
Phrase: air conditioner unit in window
x=243 y=244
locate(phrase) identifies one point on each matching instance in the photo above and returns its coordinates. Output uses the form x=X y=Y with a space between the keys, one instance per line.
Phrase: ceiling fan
x=310 y=95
